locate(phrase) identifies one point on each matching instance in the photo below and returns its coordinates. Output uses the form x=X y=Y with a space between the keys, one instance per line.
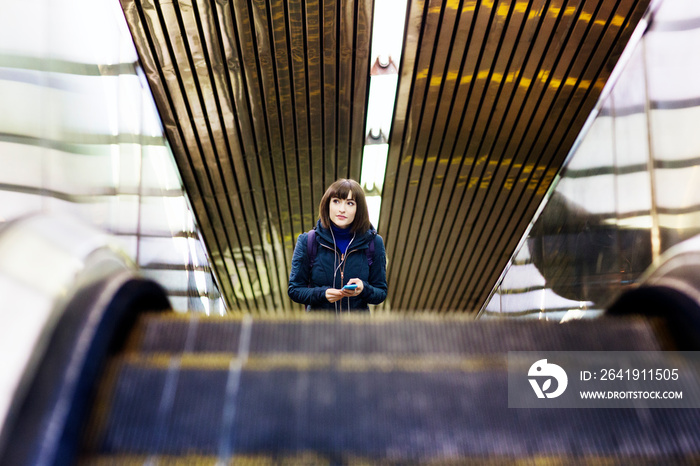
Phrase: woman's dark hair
x=341 y=189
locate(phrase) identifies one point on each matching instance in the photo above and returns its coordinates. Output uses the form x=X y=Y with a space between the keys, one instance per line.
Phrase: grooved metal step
x=422 y=335
x=338 y=391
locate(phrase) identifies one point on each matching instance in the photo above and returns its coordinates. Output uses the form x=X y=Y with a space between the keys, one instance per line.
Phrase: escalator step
x=395 y=336
x=165 y=410
x=194 y=390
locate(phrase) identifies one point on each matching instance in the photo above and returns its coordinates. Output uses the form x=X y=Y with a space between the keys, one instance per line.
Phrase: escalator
x=117 y=378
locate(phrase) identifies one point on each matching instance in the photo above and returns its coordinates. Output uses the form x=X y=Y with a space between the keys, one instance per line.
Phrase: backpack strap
x=370 y=251
x=311 y=247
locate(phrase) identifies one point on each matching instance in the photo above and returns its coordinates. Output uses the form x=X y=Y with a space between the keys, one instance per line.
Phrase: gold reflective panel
x=471 y=156
x=264 y=104
x=629 y=191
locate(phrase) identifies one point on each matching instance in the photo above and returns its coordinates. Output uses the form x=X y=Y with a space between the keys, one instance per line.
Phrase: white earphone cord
x=335 y=269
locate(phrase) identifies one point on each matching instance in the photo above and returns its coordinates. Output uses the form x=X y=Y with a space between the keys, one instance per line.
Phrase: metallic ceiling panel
x=464 y=181
x=264 y=106
x=561 y=124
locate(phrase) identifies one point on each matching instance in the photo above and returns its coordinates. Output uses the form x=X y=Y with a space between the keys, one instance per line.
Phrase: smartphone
x=350 y=286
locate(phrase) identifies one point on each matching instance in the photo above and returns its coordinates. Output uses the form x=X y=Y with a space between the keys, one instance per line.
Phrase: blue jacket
x=310 y=288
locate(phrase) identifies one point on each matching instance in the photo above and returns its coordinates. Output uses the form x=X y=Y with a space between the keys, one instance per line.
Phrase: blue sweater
x=342 y=237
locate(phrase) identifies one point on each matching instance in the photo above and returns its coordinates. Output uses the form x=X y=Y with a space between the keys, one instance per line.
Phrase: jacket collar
x=361 y=240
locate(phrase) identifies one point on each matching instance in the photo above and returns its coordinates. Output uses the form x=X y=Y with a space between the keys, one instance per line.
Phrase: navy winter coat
x=310 y=288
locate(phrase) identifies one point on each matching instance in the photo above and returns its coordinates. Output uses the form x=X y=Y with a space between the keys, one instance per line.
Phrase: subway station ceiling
x=264 y=105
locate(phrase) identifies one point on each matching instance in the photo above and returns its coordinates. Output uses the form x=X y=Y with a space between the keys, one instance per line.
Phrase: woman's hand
x=356 y=291
x=333 y=295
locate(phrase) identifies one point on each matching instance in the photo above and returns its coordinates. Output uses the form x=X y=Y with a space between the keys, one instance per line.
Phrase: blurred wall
x=631 y=187
x=80 y=137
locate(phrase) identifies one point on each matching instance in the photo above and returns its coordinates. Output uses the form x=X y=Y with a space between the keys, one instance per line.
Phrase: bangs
x=342 y=190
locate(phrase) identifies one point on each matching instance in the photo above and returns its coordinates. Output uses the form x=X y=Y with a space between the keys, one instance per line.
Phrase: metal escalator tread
x=314 y=390
x=175 y=333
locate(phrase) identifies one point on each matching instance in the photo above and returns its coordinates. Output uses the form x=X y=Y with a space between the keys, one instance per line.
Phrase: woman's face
x=342 y=211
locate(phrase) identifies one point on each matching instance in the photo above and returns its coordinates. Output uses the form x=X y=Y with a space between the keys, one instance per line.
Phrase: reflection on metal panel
x=629 y=191
x=491 y=98
x=81 y=138
x=264 y=106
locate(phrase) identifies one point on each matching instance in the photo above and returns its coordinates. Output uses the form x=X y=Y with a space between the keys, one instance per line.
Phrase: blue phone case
x=350 y=286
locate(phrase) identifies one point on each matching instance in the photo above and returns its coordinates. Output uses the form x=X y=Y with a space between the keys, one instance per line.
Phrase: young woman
x=344 y=249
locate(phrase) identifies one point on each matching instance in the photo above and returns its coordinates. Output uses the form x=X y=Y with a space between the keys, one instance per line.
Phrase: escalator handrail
x=45 y=261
